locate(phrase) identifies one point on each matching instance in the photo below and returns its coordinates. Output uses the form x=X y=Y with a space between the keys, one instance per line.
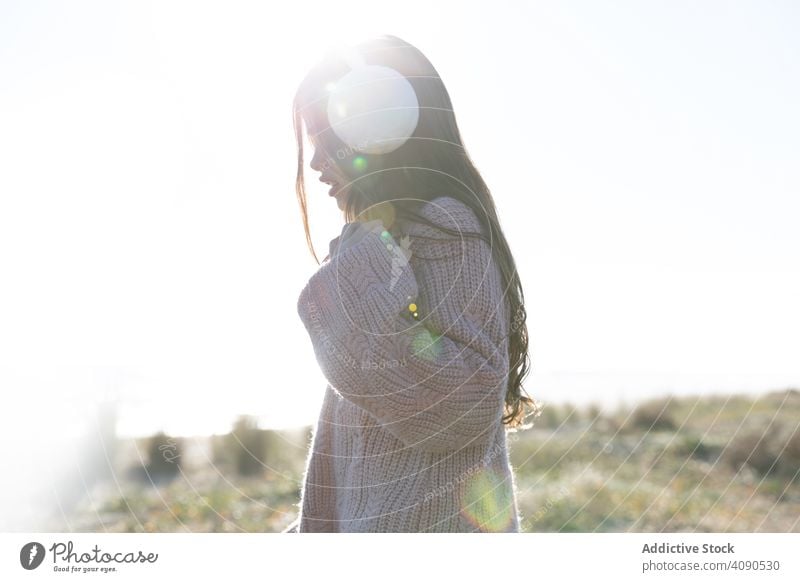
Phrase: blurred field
x=694 y=464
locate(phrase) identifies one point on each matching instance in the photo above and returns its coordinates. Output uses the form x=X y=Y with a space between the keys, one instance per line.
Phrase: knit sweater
x=409 y=436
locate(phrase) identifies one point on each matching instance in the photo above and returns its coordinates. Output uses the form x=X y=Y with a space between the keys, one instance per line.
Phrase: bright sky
x=643 y=157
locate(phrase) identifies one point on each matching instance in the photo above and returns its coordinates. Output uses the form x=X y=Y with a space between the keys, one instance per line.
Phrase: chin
x=341 y=198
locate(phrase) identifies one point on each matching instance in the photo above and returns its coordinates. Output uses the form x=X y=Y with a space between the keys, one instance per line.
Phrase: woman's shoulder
x=428 y=241
x=447 y=212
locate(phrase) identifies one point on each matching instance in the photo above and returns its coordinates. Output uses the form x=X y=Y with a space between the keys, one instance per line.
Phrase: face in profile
x=330 y=173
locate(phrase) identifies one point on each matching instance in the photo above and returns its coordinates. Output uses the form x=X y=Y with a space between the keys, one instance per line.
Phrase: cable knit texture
x=409 y=436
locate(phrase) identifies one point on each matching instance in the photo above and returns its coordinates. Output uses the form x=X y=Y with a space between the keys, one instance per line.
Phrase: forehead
x=320 y=134
x=316 y=122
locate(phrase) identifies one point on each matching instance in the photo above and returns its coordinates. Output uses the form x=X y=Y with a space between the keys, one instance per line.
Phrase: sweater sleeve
x=436 y=383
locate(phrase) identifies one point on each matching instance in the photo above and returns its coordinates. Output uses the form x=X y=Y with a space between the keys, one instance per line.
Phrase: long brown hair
x=434 y=161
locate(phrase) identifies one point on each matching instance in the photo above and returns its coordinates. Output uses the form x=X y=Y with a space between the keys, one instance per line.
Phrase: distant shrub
x=163 y=456
x=249 y=444
x=593 y=412
x=789 y=458
x=570 y=414
x=549 y=417
x=247 y=450
x=776 y=452
x=250 y=451
x=651 y=415
x=555 y=416
x=749 y=448
x=695 y=447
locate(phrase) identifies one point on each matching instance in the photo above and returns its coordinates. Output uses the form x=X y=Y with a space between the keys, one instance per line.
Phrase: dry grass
x=699 y=464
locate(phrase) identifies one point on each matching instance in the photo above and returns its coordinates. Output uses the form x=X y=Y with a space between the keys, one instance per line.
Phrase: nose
x=316 y=161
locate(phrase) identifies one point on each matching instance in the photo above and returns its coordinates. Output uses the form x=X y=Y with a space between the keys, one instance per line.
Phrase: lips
x=332 y=183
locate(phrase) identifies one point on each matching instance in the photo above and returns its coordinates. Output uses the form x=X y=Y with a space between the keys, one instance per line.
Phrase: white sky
x=643 y=157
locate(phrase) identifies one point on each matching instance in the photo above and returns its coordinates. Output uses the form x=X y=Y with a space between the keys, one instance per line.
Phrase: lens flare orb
x=373 y=109
x=426 y=344
x=487 y=501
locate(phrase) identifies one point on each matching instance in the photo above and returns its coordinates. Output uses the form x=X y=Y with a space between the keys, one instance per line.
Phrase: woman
x=416 y=316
